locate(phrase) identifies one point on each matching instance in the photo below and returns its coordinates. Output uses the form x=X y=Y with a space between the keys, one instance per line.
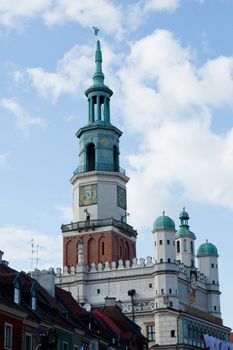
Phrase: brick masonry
x=98 y=247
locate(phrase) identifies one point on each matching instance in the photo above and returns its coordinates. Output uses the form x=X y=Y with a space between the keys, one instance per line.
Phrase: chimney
x=110 y=301
x=3 y=262
x=1 y=255
x=46 y=278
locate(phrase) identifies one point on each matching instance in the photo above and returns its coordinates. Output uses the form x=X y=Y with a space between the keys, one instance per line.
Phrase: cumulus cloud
x=57 y=12
x=139 y=11
x=72 y=75
x=161 y=5
x=12 y=12
x=15 y=242
x=168 y=100
x=23 y=119
x=86 y=13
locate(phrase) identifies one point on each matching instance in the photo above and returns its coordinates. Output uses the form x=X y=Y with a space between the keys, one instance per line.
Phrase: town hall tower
x=100 y=226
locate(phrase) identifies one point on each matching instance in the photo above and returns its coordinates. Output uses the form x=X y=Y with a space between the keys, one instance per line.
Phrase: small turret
x=207 y=255
x=165 y=281
x=185 y=250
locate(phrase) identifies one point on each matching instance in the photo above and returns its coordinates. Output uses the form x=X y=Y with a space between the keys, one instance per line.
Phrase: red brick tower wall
x=98 y=247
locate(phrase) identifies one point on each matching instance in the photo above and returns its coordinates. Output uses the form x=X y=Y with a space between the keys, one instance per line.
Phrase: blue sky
x=170 y=65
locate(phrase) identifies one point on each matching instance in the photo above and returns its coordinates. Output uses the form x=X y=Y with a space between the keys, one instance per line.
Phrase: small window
x=150 y=285
x=212 y=265
x=34 y=303
x=151 y=333
x=213 y=282
x=170 y=291
x=156 y=292
x=28 y=342
x=8 y=336
x=191 y=246
x=168 y=260
x=161 y=260
x=16 y=295
x=156 y=305
x=168 y=241
x=185 y=245
x=173 y=242
x=215 y=308
x=65 y=346
x=173 y=333
x=171 y=304
x=155 y=243
x=162 y=291
x=178 y=246
x=98 y=291
x=160 y=242
x=216 y=266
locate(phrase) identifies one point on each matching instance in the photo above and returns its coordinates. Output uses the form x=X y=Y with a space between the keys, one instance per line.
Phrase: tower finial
x=163 y=212
x=96 y=30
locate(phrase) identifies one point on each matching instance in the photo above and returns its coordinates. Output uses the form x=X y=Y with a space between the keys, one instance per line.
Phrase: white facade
x=164 y=296
x=106 y=195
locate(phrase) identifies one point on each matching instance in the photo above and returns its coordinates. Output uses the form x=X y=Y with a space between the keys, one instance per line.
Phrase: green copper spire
x=98 y=76
x=98 y=94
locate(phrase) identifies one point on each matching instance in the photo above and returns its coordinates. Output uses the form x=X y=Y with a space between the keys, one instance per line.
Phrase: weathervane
x=96 y=30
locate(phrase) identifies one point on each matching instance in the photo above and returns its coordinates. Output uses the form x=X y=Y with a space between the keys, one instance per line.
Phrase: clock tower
x=99 y=186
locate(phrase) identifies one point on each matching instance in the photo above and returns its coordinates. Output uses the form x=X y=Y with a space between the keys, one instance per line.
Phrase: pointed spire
x=98 y=76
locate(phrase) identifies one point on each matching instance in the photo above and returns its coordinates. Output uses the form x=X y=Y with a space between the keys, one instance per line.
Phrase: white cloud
x=14 y=242
x=138 y=12
x=23 y=119
x=73 y=73
x=161 y=5
x=57 y=12
x=66 y=213
x=12 y=12
x=72 y=70
x=168 y=100
x=3 y=160
x=87 y=13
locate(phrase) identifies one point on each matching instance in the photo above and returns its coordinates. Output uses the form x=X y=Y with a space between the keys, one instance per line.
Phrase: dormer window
x=16 y=295
x=34 y=303
x=33 y=297
x=17 y=290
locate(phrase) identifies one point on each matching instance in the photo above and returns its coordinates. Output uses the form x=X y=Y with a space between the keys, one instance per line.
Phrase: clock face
x=121 y=197
x=87 y=195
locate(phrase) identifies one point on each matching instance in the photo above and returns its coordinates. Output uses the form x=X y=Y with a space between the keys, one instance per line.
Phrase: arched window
x=185 y=245
x=102 y=249
x=91 y=157
x=178 y=246
x=191 y=245
x=91 y=251
x=115 y=158
x=121 y=249
x=126 y=251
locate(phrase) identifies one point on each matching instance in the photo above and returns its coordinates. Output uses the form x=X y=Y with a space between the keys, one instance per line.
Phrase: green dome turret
x=163 y=223
x=184 y=226
x=207 y=249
